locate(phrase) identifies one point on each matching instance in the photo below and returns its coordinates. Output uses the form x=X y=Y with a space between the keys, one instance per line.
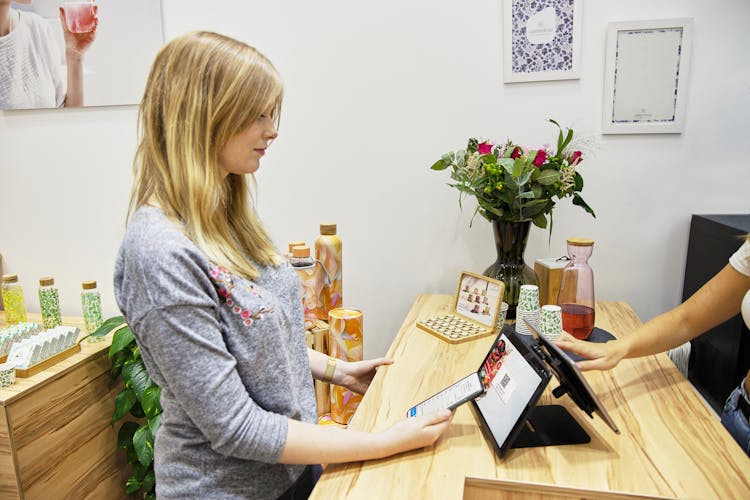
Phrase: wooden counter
x=671 y=444
x=55 y=437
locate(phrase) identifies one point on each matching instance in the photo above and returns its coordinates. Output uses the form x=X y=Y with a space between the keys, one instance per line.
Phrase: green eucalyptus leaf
x=120 y=340
x=526 y=195
x=125 y=434
x=507 y=164
x=439 y=165
x=132 y=486
x=144 y=444
x=523 y=179
x=135 y=376
x=150 y=401
x=124 y=402
x=548 y=177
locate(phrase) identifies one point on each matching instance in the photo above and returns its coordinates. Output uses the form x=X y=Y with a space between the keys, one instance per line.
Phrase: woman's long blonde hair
x=204 y=88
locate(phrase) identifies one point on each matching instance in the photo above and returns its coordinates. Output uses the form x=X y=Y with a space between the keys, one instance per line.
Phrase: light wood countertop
x=671 y=444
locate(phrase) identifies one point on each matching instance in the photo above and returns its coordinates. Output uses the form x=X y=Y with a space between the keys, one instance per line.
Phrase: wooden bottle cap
x=46 y=281
x=580 y=242
x=88 y=285
x=328 y=229
x=301 y=251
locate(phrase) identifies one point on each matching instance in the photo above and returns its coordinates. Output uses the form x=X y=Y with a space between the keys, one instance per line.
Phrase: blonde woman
x=216 y=311
x=721 y=298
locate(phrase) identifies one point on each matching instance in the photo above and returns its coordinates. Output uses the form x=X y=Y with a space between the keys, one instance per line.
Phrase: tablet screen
x=514 y=378
x=449 y=398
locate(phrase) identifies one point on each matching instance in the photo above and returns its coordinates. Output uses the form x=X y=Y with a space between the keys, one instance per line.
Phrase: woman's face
x=242 y=152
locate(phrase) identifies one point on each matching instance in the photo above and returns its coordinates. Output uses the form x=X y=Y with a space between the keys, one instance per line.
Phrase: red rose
x=484 y=148
x=516 y=153
x=575 y=157
x=540 y=158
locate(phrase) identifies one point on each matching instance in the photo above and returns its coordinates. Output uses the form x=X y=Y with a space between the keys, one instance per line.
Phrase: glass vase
x=510 y=268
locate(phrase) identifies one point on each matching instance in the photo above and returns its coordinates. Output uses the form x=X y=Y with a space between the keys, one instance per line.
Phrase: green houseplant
x=137 y=405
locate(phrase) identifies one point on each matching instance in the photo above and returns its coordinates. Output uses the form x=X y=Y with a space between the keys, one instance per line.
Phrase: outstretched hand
x=357 y=375
x=598 y=356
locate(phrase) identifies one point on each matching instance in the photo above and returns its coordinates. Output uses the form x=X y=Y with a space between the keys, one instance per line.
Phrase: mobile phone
x=451 y=397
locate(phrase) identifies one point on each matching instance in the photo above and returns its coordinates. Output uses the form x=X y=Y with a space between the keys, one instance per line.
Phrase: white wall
x=375 y=92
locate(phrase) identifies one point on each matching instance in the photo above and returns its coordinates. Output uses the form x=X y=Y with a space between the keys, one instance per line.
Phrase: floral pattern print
x=225 y=287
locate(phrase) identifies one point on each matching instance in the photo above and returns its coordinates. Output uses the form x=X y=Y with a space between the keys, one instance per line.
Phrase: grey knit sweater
x=229 y=355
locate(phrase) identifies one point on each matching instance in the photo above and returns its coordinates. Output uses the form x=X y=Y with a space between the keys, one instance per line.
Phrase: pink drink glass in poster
x=80 y=17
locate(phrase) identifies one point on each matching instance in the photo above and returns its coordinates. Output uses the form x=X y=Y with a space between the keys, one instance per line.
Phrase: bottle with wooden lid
x=13 y=303
x=49 y=302
x=328 y=252
x=301 y=256
x=91 y=301
x=576 y=297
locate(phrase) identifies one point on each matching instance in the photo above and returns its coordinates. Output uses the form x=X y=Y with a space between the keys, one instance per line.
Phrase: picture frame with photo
x=646 y=75
x=542 y=40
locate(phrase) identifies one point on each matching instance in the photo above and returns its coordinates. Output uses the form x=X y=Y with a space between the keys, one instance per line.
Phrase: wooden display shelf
x=56 y=440
x=46 y=363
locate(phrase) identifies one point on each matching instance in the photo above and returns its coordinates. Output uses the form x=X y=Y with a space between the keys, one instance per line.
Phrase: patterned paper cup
x=550 y=321
x=501 y=314
x=7 y=374
x=528 y=298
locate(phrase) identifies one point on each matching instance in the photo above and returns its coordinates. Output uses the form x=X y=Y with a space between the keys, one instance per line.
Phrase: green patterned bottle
x=91 y=301
x=49 y=303
x=15 y=307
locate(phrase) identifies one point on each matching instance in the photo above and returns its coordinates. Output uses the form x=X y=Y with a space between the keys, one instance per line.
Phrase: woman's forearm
x=311 y=444
x=74 y=94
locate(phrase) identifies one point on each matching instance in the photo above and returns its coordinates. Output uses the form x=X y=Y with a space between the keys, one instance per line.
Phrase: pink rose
x=484 y=148
x=575 y=157
x=540 y=158
x=516 y=153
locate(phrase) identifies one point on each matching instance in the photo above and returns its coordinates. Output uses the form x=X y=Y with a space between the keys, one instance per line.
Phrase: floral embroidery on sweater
x=225 y=287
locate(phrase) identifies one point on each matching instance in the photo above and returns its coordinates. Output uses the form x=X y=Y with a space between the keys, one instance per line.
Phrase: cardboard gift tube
x=322 y=389
x=344 y=343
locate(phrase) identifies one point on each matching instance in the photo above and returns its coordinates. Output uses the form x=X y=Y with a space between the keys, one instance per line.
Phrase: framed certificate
x=648 y=63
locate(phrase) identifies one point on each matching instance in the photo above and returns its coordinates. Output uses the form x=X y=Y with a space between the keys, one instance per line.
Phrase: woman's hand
x=77 y=43
x=357 y=375
x=417 y=432
x=600 y=356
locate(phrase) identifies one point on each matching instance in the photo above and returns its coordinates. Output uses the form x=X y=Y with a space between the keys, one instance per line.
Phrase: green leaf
x=567 y=140
x=105 y=327
x=144 y=444
x=523 y=179
x=548 y=177
x=132 y=486
x=137 y=411
x=507 y=164
x=154 y=423
x=135 y=376
x=150 y=401
x=124 y=401
x=518 y=165
x=577 y=200
x=150 y=496
x=526 y=195
x=125 y=434
x=139 y=470
x=121 y=340
x=148 y=482
x=540 y=221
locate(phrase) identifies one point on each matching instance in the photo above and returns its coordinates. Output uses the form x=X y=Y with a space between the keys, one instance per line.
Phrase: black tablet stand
x=550 y=425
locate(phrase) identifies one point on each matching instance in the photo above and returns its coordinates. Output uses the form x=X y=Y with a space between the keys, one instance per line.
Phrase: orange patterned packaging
x=345 y=343
x=313 y=279
x=328 y=253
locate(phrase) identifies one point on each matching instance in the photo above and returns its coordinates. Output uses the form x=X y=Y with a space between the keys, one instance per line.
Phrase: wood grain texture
x=61 y=441
x=671 y=445
x=8 y=477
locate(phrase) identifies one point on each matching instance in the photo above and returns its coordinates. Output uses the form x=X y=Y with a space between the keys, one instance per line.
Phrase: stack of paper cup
x=550 y=321
x=528 y=308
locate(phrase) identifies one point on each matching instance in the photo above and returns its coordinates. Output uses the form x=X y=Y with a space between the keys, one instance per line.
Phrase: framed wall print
x=542 y=40
x=645 y=89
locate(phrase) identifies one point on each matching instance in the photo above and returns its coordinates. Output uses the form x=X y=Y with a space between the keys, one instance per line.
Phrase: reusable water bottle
x=328 y=252
x=576 y=297
x=15 y=307
x=49 y=303
x=91 y=302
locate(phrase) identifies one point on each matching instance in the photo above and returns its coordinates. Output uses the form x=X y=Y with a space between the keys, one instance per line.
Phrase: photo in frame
x=542 y=40
x=118 y=41
x=646 y=75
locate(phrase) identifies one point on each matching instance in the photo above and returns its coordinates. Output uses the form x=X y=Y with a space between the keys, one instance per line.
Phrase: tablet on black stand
x=515 y=373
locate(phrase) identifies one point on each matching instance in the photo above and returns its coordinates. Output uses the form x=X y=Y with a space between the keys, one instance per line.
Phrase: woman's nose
x=271 y=132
